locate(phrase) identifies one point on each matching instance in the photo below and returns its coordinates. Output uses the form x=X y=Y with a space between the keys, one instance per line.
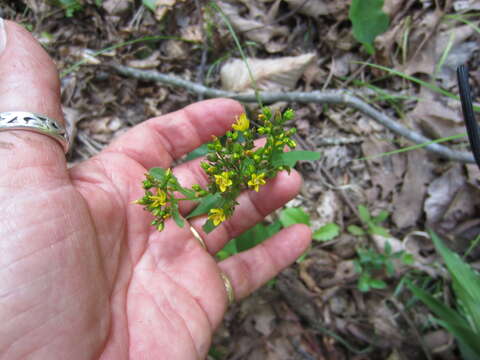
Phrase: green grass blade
x=465 y=21
x=466 y=282
x=459 y=270
x=240 y=49
x=76 y=65
x=415 y=147
x=450 y=319
x=418 y=81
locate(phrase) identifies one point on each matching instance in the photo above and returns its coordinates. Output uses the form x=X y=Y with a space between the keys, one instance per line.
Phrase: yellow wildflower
x=242 y=123
x=160 y=199
x=256 y=181
x=217 y=216
x=223 y=181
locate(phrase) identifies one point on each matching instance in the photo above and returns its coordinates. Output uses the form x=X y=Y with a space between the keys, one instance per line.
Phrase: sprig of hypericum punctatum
x=233 y=164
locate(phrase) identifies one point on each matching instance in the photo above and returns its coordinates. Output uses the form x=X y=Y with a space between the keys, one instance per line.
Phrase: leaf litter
x=314 y=309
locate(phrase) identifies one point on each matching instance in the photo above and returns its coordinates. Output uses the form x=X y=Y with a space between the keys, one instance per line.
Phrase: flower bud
x=267 y=112
x=147 y=184
x=289 y=114
x=212 y=157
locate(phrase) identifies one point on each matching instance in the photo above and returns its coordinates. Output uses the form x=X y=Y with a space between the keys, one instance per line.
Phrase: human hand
x=82 y=273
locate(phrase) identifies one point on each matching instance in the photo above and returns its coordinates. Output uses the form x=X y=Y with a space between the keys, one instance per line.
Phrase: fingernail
x=3 y=35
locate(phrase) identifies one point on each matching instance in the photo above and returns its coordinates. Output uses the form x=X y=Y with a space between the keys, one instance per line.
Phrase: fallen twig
x=333 y=97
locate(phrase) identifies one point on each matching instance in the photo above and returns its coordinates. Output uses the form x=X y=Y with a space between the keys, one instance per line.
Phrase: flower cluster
x=233 y=164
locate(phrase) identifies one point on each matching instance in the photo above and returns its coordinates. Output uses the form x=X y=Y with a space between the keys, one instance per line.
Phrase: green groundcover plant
x=233 y=164
x=463 y=321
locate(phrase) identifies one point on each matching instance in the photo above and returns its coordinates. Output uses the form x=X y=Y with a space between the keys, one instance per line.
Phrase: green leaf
x=208 y=227
x=466 y=282
x=198 y=152
x=388 y=248
x=151 y=4
x=158 y=173
x=381 y=217
x=290 y=216
x=408 y=258
x=290 y=158
x=450 y=319
x=377 y=284
x=355 y=230
x=368 y=21
x=327 y=232
x=390 y=268
x=357 y=266
x=256 y=235
x=176 y=215
x=379 y=230
x=363 y=283
x=364 y=214
x=208 y=202
x=228 y=250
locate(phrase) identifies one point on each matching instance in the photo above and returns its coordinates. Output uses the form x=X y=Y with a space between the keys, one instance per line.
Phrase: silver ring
x=23 y=120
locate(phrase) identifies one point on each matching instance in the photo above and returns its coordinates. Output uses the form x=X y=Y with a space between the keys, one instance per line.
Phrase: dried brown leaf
x=278 y=74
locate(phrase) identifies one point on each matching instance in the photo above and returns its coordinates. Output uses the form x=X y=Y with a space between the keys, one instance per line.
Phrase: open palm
x=82 y=274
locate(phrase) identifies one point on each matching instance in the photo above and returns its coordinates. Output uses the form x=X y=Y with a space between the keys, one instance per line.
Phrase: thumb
x=29 y=82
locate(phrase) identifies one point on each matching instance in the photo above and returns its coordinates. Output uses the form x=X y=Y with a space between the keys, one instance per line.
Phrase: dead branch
x=332 y=97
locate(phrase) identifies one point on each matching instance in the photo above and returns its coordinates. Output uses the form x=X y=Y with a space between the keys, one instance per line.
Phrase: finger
x=29 y=82
x=252 y=208
x=251 y=269
x=158 y=141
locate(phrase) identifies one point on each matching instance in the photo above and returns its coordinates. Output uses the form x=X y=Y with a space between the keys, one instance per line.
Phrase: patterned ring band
x=23 y=120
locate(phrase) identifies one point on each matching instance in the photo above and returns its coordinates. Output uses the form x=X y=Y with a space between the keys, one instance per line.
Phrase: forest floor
x=318 y=308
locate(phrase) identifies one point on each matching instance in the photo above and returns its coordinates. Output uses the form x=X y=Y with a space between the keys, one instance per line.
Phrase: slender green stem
x=76 y=65
x=240 y=49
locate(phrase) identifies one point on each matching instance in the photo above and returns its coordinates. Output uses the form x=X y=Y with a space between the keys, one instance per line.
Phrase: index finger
x=160 y=140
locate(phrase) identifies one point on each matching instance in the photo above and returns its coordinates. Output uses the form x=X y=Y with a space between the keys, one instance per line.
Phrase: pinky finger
x=251 y=269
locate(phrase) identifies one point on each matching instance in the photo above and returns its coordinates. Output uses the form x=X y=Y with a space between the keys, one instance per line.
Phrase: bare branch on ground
x=332 y=97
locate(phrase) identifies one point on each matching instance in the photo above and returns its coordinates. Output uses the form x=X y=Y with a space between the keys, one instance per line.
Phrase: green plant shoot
x=464 y=321
x=368 y=21
x=233 y=164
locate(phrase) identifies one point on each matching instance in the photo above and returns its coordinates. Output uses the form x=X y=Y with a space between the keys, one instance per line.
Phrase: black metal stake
x=468 y=114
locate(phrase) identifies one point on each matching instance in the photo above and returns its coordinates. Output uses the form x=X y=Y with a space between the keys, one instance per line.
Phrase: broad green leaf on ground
x=208 y=202
x=249 y=239
x=368 y=21
x=364 y=214
x=291 y=216
x=256 y=235
x=290 y=158
x=327 y=232
x=382 y=216
x=355 y=230
x=379 y=230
